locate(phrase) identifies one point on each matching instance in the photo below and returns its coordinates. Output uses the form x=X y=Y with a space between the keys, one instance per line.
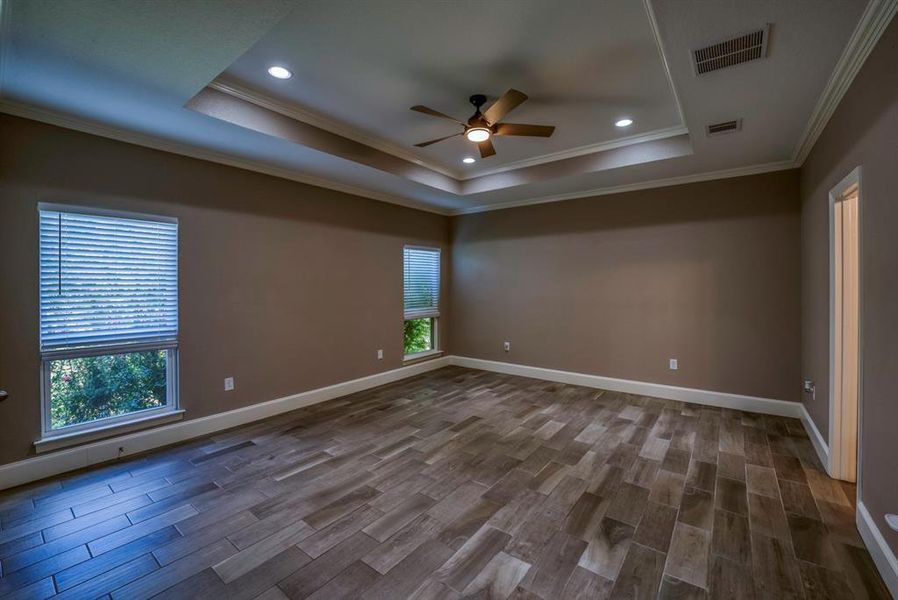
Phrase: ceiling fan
x=483 y=126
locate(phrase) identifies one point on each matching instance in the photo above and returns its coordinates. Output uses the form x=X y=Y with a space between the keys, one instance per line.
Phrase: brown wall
x=862 y=132
x=707 y=273
x=284 y=286
x=289 y=287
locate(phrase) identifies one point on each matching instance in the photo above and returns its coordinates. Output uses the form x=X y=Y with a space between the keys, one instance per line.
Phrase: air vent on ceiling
x=725 y=127
x=729 y=53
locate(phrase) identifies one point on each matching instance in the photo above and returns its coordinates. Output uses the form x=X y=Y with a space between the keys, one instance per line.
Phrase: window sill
x=65 y=440
x=421 y=356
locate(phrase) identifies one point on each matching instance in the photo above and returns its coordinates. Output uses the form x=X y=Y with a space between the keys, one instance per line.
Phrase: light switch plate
x=673 y=364
x=380 y=354
x=229 y=384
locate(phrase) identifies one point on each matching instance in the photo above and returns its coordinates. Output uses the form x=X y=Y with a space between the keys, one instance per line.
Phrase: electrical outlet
x=507 y=346
x=380 y=354
x=673 y=364
x=229 y=384
x=809 y=387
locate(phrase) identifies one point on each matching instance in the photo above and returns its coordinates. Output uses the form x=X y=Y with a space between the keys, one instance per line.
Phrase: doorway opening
x=845 y=334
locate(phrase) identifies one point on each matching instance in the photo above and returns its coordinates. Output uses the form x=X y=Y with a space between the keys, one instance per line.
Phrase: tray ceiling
x=190 y=77
x=364 y=64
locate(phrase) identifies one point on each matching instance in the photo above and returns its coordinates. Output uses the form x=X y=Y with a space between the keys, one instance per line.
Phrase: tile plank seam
x=468 y=482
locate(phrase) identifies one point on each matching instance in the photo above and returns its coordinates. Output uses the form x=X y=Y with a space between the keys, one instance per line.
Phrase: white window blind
x=106 y=280
x=421 y=268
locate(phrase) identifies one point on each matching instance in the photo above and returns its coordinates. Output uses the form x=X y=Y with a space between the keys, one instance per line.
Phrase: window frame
x=172 y=370
x=435 y=327
x=434 y=337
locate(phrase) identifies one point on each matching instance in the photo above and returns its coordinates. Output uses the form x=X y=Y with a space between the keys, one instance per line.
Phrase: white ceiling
x=364 y=64
x=126 y=68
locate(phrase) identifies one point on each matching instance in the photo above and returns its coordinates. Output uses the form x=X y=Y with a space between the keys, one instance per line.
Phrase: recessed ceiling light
x=280 y=72
x=478 y=134
x=624 y=123
x=468 y=160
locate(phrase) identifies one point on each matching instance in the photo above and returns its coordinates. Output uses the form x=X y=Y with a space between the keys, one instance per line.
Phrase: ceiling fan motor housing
x=477 y=119
x=480 y=128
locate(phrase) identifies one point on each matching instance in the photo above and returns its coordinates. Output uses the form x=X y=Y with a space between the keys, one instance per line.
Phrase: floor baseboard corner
x=64 y=460
x=879 y=549
x=820 y=445
x=782 y=408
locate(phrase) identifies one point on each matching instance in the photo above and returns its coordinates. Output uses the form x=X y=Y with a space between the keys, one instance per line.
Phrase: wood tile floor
x=457 y=483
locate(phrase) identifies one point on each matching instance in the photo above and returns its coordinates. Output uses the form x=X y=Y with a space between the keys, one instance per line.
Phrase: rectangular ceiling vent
x=725 y=127
x=730 y=53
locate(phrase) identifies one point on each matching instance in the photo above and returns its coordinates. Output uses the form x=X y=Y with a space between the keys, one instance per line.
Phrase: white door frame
x=837 y=445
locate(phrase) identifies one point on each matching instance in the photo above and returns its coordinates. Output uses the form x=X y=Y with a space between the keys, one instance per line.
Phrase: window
x=108 y=317
x=421 y=282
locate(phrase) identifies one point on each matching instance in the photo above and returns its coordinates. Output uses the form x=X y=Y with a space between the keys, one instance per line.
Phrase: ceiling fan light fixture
x=279 y=72
x=625 y=122
x=478 y=134
x=482 y=126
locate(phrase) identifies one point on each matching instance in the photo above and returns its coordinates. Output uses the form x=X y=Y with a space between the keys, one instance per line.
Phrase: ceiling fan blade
x=504 y=105
x=434 y=113
x=486 y=148
x=521 y=129
x=423 y=144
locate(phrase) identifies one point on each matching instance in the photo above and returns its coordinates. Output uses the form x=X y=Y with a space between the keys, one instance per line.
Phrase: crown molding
x=156 y=143
x=317 y=120
x=632 y=187
x=337 y=128
x=653 y=23
x=308 y=117
x=649 y=136
x=68 y=122
x=873 y=21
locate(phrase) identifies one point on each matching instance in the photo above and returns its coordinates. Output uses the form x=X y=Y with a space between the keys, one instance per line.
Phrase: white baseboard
x=768 y=406
x=820 y=445
x=876 y=544
x=54 y=463
x=882 y=555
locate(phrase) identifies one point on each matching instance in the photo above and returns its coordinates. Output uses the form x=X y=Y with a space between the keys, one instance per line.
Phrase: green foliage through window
x=95 y=387
x=418 y=335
